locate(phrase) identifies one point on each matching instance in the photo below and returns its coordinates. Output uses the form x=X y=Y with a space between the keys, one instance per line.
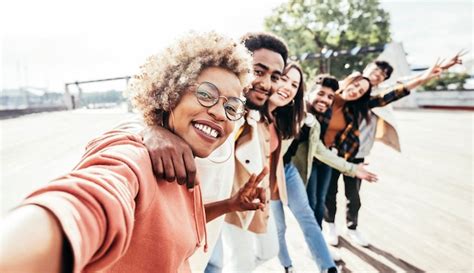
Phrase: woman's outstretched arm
x=31 y=240
x=91 y=208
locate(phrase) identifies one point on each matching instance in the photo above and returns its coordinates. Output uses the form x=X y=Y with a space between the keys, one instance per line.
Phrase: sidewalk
x=418 y=217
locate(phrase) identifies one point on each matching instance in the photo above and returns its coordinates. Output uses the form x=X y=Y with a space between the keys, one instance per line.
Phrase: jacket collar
x=253 y=116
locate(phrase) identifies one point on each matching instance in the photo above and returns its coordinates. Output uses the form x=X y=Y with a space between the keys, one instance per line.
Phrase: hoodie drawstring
x=198 y=198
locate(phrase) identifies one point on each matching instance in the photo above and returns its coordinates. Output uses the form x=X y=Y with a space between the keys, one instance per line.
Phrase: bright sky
x=432 y=28
x=47 y=43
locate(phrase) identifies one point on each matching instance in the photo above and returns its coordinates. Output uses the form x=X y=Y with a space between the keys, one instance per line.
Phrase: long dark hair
x=359 y=107
x=288 y=118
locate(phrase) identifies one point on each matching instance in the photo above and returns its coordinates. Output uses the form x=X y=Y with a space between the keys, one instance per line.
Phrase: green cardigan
x=314 y=147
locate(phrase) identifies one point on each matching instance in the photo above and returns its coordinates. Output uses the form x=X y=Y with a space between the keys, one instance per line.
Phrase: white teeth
x=284 y=95
x=206 y=129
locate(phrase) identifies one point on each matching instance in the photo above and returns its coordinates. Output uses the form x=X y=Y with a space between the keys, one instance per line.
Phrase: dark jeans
x=317 y=189
x=351 y=189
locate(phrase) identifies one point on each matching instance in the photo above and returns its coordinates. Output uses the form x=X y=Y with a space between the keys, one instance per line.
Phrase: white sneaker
x=331 y=236
x=357 y=238
x=335 y=254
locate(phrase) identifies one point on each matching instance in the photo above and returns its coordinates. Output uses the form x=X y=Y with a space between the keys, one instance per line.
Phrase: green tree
x=313 y=26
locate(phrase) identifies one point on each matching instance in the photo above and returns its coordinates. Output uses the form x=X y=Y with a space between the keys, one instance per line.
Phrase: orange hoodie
x=118 y=217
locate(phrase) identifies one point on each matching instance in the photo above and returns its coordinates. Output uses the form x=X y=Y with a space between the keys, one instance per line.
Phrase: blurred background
x=49 y=46
x=65 y=65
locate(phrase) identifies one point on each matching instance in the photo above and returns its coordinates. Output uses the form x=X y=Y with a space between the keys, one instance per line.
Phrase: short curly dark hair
x=258 y=40
x=164 y=77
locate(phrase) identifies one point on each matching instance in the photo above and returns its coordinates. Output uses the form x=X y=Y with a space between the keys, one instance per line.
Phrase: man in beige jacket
x=255 y=232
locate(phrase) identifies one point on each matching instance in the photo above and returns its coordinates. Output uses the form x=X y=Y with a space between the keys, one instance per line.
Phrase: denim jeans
x=317 y=189
x=216 y=261
x=299 y=206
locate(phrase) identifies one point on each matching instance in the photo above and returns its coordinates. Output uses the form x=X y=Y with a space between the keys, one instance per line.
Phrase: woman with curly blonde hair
x=110 y=213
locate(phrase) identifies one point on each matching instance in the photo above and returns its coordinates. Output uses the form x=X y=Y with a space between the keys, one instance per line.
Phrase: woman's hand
x=454 y=60
x=250 y=196
x=434 y=71
x=363 y=174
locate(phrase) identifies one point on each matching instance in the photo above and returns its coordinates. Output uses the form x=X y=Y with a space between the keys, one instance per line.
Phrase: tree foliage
x=311 y=26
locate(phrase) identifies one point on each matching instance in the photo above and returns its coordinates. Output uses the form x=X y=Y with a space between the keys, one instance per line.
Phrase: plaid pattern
x=388 y=96
x=347 y=141
x=324 y=119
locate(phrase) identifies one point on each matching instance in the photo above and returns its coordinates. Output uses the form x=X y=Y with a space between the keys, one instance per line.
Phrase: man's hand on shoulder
x=171 y=156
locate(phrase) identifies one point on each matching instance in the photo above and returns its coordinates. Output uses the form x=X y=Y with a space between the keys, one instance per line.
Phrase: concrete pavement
x=418 y=217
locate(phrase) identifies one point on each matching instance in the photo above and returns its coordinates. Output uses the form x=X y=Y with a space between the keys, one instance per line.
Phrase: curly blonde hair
x=165 y=76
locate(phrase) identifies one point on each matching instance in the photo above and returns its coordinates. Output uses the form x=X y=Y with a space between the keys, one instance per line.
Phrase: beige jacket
x=382 y=127
x=252 y=153
x=387 y=127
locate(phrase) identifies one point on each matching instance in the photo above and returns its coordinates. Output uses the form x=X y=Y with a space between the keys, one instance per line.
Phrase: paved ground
x=418 y=217
x=39 y=147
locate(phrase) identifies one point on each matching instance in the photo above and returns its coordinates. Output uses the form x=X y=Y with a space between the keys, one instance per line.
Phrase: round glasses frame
x=215 y=99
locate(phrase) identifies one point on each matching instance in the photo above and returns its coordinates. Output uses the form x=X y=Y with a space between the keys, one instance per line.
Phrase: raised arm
x=32 y=240
x=388 y=96
x=456 y=59
x=92 y=208
x=403 y=89
x=434 y=71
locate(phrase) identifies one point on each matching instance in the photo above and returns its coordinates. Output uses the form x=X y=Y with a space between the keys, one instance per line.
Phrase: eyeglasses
x=208 y=95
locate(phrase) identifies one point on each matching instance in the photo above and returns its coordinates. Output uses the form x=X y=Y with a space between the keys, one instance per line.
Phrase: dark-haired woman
x=351 y=105
x=286 y=110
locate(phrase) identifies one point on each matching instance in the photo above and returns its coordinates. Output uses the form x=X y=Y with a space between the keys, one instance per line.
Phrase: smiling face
x=289 y=84
x=205 y=129
x=375 y=74
x=321 y=98
x=268 y=66
x=355 y=90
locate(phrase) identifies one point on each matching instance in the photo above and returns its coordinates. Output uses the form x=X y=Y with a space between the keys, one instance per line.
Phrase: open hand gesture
x=364 y=174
